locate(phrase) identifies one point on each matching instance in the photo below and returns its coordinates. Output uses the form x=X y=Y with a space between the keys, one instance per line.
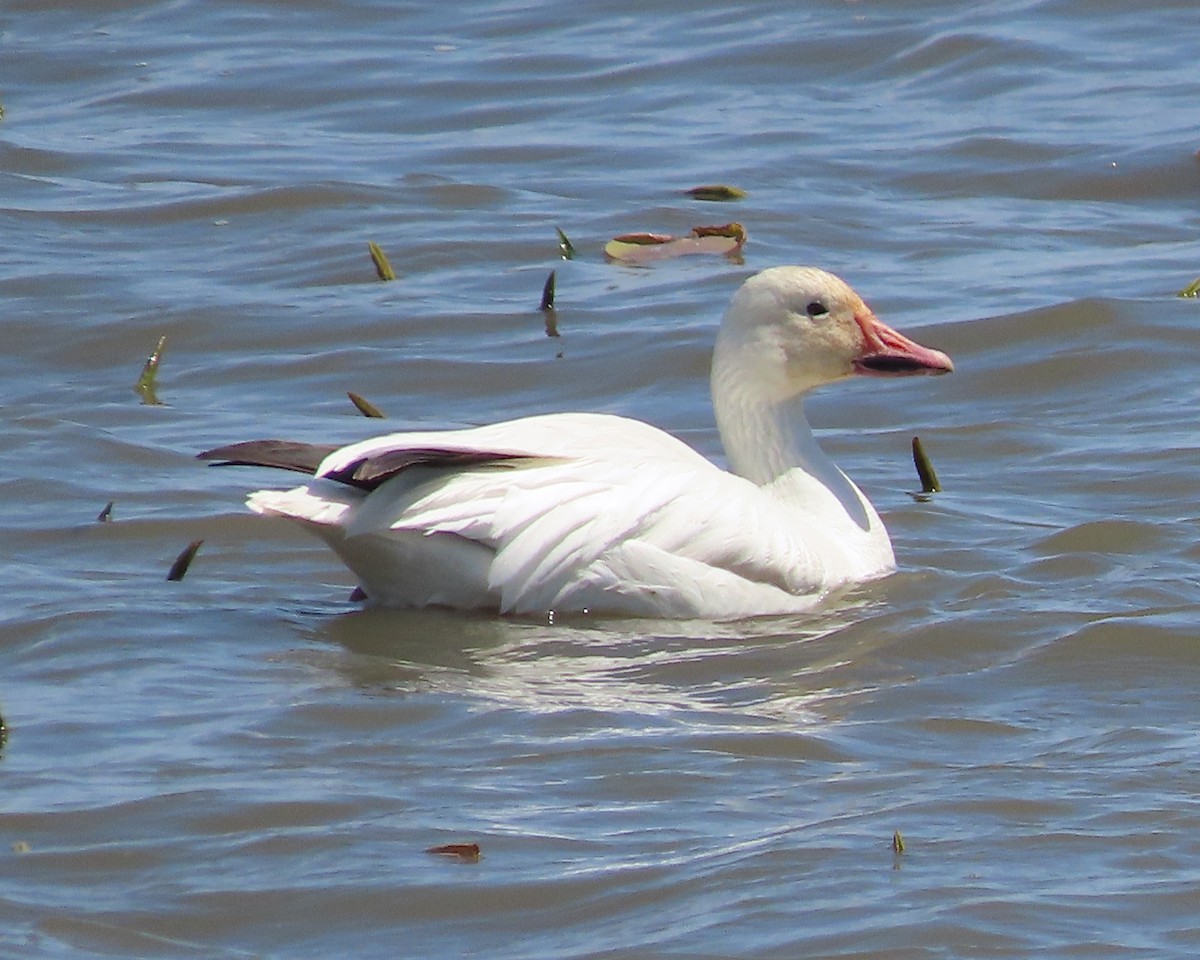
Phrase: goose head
x=791 y=329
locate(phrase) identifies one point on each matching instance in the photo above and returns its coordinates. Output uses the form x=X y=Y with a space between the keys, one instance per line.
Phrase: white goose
x=577 y=512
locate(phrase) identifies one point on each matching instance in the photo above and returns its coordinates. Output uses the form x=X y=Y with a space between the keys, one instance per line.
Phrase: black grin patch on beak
x=893 y=366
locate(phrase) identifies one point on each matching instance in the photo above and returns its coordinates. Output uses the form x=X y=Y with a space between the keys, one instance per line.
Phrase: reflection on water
x=776 y=668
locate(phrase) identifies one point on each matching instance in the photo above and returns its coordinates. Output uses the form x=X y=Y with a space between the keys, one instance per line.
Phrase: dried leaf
x=146 y=382
x=547 y=306
x=379 y=258
x=105 y=515
x=365 y=407
x=1191 y=290
x=717 y=192
x=733 y=231
x=726 y=239
x=925 y=471
x=183 y=561
x=466 y=852
x=565 y=248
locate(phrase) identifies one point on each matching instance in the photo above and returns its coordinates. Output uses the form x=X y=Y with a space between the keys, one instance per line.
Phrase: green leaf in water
x=145 y=386
x=105 y=515
x=925 y=471
x=548 y=292
x=718 y=192
x=897 y=842
x=183 y=561
x=1192 y=289
x=566 y=249
x=365 y=407
x=379 y=258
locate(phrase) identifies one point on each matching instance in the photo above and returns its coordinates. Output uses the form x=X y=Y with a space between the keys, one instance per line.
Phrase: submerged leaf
x=565 y=248
x=365 y=407
x=466 y=852
x=726 y=239
x=1191 y=290
x=146 y=382
x=379 y=258
x=925 y=471
x=717 y=192
x=183 y=561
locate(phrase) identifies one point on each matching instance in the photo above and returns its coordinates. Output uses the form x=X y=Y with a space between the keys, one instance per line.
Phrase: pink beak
x=887 y=353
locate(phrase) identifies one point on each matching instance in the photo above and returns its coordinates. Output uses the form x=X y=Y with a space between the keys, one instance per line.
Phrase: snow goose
x=577 y=512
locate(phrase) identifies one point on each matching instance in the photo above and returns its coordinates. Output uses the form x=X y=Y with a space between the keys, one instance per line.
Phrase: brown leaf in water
x=466 y=852
x=720 y=192
x=183 y=561
x=726 y=239
x=548 y=289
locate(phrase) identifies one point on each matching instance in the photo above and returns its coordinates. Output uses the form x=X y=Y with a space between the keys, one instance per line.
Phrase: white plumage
x=591 y=512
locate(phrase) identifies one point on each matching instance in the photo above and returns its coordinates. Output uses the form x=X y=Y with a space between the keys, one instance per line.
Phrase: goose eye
x=816 y=309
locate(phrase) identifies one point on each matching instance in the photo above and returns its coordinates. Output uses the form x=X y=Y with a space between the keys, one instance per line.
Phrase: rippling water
x=245 y=764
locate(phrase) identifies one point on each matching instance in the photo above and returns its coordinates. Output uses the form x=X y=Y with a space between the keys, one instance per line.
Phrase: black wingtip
x=279 y=454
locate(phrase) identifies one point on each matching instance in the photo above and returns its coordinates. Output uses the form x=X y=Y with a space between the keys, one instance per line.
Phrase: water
x=243 y=764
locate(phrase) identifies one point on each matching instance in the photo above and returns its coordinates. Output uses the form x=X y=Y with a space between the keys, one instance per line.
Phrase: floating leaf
x=717 y=192
x=365 y=407
x=466 y=852
x=897 y=842
x=379 y=258
x=146 y=382
x=1192 y=289
x=726 y=239
x=548 y=305
x=183 y=561
x=105 y=515
x=566 y=249
x=925 y=471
